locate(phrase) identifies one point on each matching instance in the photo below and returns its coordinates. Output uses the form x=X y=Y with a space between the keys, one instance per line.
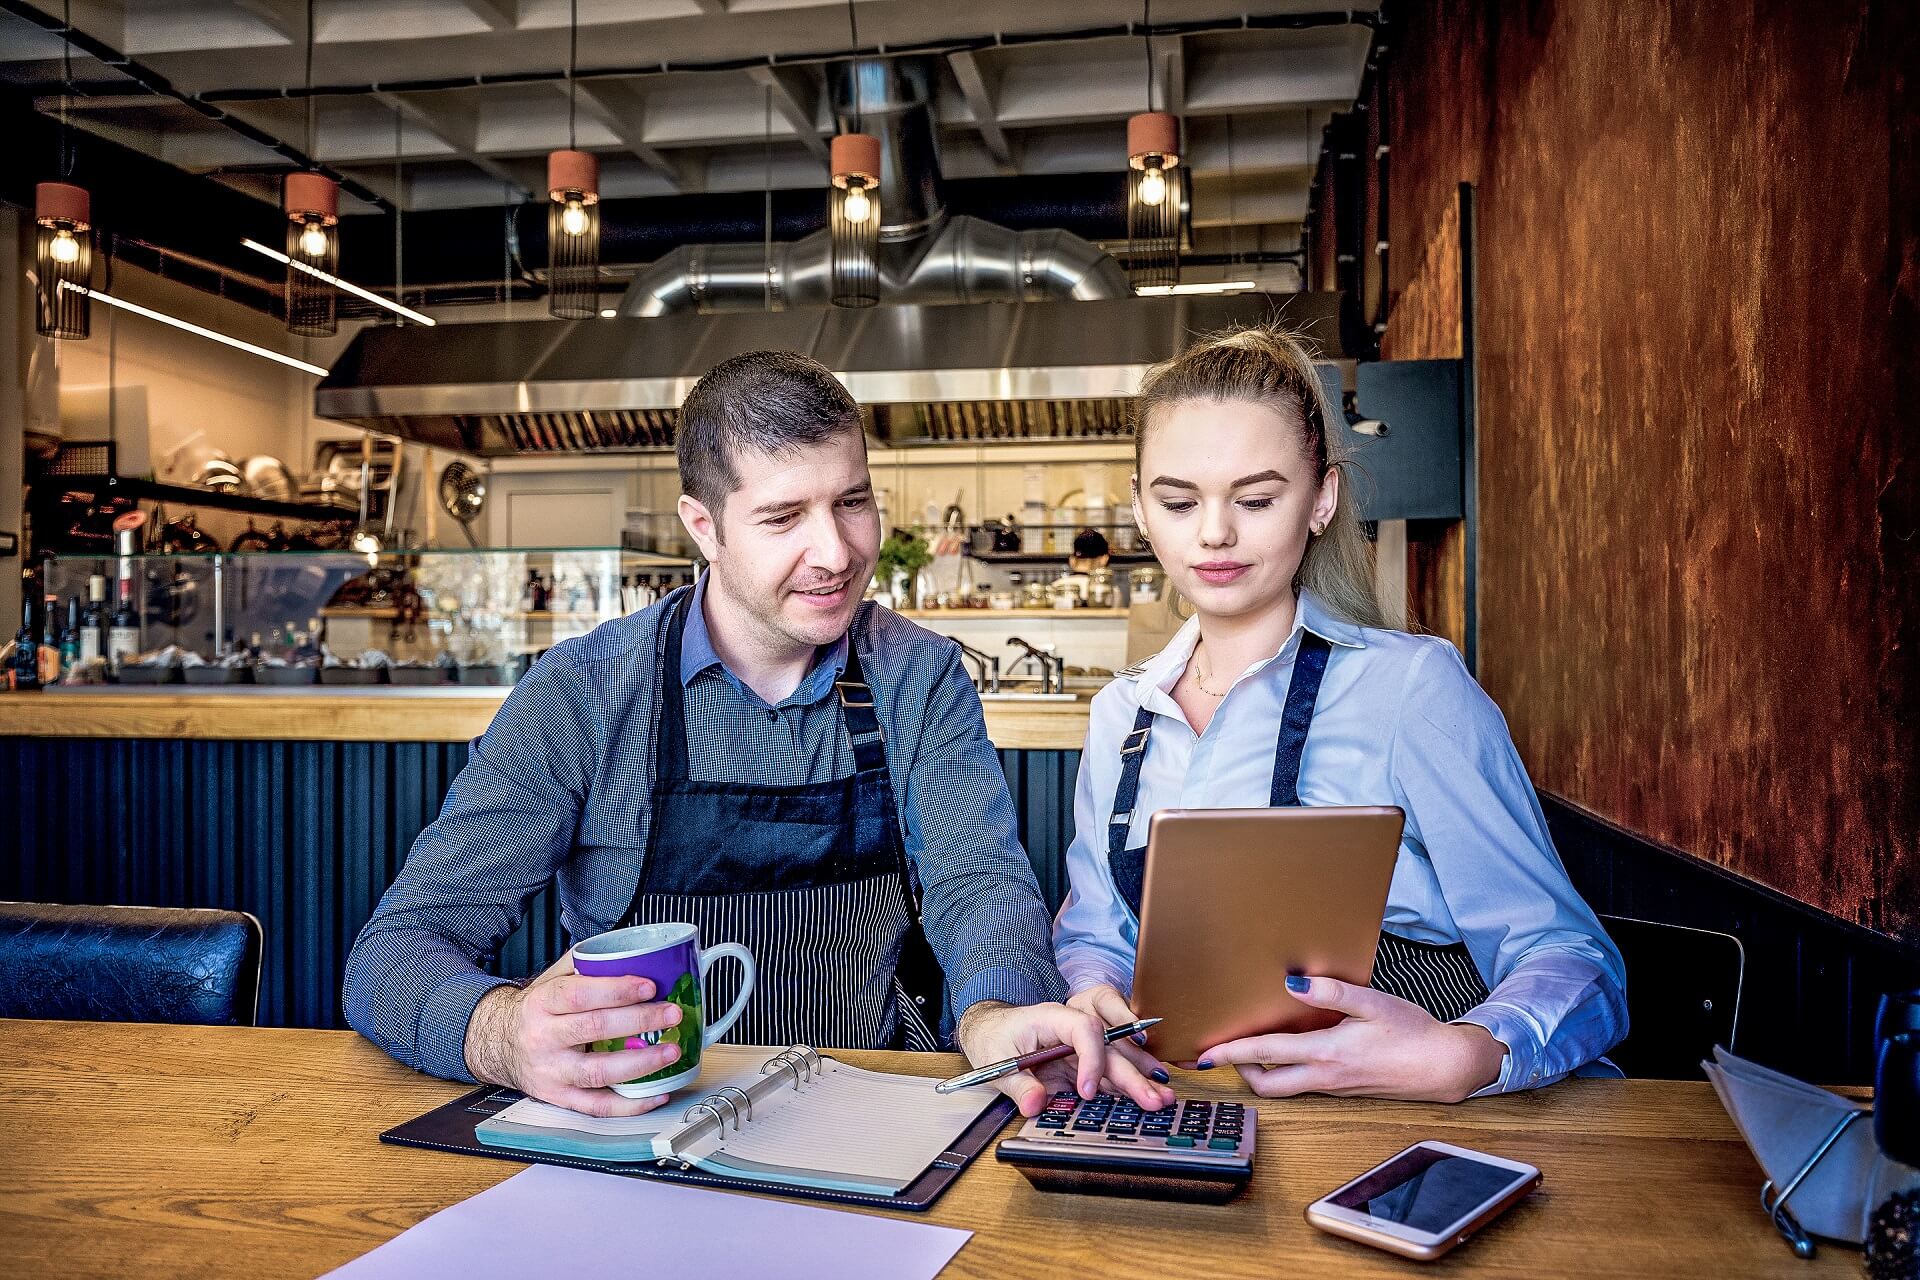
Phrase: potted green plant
x=902 y=556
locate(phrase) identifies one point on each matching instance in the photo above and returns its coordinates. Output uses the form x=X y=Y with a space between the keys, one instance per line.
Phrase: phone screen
x=1425 y=1189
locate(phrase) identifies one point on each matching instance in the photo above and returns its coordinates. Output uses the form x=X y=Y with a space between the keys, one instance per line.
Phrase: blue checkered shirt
x=558 y=790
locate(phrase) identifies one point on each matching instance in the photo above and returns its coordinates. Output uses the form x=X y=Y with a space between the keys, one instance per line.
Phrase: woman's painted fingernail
x=1140 y=1038
x=1299 y=983
x=1203 y=1065
x=1160 y=1075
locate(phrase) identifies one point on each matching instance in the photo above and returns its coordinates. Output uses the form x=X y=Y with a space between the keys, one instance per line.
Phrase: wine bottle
x=24 y=668
x=71 y=641
x=93 y=623
x=123 y=630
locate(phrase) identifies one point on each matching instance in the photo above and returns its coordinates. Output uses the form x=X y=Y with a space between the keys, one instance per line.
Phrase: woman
x=1287 y=687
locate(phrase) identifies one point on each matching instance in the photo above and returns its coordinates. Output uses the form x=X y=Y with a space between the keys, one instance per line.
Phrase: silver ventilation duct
x=926 y=256
x=925 y=374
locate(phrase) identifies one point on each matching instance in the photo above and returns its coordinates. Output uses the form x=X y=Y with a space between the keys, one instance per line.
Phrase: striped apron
x=1439 y=977
x=812 y=879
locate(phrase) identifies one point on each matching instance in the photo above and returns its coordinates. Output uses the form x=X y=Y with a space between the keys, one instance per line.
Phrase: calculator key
x=1222 y=1144
x=1180 y=1140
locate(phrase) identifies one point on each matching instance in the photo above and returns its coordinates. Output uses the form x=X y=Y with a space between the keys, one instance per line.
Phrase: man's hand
x=990 y=1031
x=533 y=1039
x=1386 y=1048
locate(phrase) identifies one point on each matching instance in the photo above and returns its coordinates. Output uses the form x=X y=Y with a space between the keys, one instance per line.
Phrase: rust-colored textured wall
x=1699 y=275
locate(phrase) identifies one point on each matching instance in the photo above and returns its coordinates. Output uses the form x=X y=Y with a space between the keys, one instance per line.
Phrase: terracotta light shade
x=63 y=259
x=1153 y=133
x=855 y=155
x=853 y=221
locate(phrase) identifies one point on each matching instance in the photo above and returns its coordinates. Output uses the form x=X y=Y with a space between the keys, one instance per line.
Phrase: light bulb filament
x=313 y=240
x=857 y=207
x=573 y=219
x=64 y=249
x=1153 y=186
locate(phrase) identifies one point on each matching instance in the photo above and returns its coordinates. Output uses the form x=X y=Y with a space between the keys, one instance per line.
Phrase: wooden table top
x=338 y=713
x=227 y=1151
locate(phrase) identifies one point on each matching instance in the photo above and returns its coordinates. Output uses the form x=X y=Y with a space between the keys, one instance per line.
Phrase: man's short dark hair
x=769 y=401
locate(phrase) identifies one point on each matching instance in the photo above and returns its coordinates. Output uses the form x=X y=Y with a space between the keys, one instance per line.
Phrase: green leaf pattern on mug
x=686 y=1034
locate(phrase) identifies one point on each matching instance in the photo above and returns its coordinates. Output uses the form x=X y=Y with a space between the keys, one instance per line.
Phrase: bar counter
x=342 y=714
x=299 y=805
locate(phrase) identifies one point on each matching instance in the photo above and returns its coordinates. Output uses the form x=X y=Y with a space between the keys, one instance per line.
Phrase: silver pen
x=995 y=1070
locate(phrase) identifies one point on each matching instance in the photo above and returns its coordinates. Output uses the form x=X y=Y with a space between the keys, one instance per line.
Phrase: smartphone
x=1425 y=1200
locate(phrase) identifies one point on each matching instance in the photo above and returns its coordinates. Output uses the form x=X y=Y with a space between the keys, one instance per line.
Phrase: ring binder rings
x=792 y=1122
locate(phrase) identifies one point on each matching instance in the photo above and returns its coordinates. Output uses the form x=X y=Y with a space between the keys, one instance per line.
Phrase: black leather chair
x=129 y=964
x=1683 y=996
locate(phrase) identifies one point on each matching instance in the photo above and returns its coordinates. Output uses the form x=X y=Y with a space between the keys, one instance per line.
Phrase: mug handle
x=716 y=1029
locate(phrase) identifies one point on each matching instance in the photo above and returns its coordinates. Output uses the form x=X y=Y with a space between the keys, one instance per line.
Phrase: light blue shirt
x=1399 y=721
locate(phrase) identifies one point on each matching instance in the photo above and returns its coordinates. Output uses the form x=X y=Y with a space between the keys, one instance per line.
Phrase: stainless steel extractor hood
x=928 y=374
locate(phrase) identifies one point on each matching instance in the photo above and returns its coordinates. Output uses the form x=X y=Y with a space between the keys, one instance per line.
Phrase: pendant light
x=853 y=205
x=63 y=217
x=573 y=210
x=311 y=202
x=1156 y=195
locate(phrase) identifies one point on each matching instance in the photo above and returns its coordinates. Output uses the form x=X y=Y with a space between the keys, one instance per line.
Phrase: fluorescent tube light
x=190 y=327
x=1218 y=286
x=338 y=283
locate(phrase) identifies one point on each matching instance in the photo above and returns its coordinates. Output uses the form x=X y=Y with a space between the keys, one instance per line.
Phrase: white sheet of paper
x=550 y=1220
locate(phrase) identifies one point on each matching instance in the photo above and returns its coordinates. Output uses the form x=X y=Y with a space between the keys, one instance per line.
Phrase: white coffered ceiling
x=1024 y=88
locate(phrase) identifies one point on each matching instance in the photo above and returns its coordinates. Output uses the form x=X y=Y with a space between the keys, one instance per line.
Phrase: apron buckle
x=850 y=699
x=1136 y=742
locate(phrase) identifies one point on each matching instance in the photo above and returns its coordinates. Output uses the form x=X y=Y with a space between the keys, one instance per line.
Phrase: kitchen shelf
x=189 y=496
x=1054 y=557
x=1089 y=614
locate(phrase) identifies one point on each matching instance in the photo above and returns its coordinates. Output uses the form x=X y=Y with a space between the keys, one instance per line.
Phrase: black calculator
x=1194 y=1150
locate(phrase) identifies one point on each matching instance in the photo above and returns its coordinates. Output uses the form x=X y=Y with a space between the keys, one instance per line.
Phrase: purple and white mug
x=670 y=955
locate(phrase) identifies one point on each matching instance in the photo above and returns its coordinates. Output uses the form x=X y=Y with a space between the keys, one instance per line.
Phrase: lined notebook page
x=721 y=1064
x=858 y=1123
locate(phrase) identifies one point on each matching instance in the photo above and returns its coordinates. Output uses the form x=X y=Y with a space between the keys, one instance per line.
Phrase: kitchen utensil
x=463 y=493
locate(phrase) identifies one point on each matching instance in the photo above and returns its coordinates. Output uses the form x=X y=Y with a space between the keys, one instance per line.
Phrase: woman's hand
x=1111 y=1008
x=1386 y=1048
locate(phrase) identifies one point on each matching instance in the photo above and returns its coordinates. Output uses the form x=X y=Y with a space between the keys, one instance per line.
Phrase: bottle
x=24 y=670
x=123 y=630
x=50 y=642
x=71 y=640
x=93 y=623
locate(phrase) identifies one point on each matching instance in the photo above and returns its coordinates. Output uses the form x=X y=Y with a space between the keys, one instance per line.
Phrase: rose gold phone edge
x=1391 y=1243
x=1190 y=932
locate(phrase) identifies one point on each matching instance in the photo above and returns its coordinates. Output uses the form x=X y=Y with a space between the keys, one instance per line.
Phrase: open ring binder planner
x=791 y=1122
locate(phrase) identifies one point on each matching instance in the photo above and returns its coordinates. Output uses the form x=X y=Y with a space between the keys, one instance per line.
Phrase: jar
x=1036 y=595
x=1143 y=586
x=1101 y=593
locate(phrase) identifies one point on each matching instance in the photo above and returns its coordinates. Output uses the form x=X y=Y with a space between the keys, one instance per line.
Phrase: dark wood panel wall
x=1698 y=240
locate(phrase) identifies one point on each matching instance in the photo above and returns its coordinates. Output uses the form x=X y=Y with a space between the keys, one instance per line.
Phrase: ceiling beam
x=796 y=97
x=461 y=135
x=287 y=18
x=499 y=15
x=1170 y=53
x=622 y=112
x=973 y=84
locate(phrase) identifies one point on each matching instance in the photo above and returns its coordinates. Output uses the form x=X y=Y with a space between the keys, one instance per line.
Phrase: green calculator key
x=1180 y=1140
x=1222 y=1144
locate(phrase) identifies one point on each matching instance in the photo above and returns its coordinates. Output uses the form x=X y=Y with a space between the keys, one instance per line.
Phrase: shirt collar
x=1161 y=671
x=697 y=655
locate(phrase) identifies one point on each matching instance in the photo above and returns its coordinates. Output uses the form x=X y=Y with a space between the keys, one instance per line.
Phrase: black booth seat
x=129 y=964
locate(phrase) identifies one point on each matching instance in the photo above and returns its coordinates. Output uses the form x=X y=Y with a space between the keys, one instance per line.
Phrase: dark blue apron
x=811 y=878
x=1440 y=978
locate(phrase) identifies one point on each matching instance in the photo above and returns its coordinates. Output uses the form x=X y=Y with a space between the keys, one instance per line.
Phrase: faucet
x=987 y=679
x=1053 y=669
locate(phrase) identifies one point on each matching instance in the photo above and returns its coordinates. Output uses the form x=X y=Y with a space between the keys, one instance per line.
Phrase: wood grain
x=382 y=715
x=1699 y=291
x=225 y=1151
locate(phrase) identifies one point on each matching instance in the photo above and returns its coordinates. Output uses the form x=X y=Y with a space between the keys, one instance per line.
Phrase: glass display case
x=472 y=616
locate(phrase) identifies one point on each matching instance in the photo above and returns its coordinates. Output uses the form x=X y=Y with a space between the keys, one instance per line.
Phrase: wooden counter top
x=390 y=714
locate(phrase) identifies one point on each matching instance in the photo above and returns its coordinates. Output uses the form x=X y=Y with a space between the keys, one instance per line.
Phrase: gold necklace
x=1200 y=684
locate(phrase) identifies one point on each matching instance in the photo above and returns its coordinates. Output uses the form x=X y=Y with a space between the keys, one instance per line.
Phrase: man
x=763 y=755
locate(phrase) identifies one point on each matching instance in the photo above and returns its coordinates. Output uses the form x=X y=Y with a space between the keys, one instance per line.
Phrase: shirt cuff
x=441 y=1038
x=1521 y=1068
x=1009 y=986
x=1082 y=972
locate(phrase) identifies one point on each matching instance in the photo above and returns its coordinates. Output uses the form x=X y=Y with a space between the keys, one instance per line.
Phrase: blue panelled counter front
x=299 y=807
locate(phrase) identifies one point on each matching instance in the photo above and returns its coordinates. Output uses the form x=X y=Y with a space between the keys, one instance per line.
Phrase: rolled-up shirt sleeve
x=414 y=975
x=980 y=904
x=1095 y=934
x=1558 y=998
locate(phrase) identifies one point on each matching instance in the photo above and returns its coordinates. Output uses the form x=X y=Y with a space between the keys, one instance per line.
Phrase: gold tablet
x=1237 y=899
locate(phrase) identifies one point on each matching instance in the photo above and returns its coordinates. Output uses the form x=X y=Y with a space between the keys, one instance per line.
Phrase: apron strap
x=869 y=741
x=1303 y=690
x=670 y=726
x=1133 y=752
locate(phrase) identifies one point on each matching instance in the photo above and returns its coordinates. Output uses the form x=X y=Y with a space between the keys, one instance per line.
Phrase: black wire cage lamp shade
x=853 y=219
x=1156 y=198
x=62 y=259
x=312 y=205
x=573 y=234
